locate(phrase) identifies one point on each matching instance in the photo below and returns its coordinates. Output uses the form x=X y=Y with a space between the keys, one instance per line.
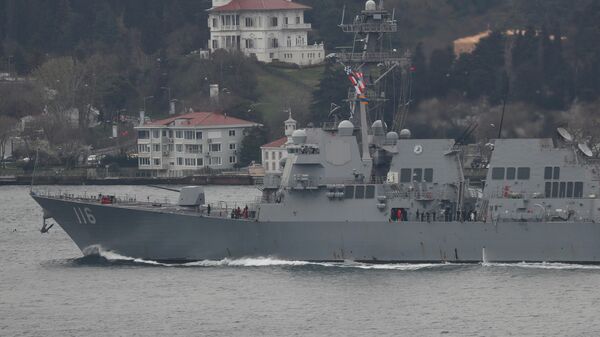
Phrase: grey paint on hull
x=168 y=236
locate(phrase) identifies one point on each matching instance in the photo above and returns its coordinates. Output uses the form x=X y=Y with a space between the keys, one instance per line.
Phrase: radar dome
x=391 y=136
x=346 y=128
x=299 y=137
x=378 y=128
x=370 y=5
x=405 y=134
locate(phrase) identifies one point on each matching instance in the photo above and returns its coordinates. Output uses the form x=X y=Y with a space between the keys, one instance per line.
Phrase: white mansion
x=191 y=142
x=268 y=29
x=273 y=152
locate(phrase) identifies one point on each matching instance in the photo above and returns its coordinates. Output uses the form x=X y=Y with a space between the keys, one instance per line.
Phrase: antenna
x=37 y=154
x=585 y=149
x=566 y=135
x=343 y=14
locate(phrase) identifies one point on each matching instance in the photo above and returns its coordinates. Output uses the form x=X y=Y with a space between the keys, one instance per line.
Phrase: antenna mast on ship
x=368 y=62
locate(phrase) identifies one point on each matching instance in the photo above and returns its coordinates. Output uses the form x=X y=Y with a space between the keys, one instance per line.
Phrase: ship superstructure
x=356 y=190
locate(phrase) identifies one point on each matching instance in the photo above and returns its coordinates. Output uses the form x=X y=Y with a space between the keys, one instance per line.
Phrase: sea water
x=47 y=288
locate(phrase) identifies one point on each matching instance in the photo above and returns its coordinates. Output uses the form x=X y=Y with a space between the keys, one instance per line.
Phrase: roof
x=203 y=119
x=257 y=5
x=277 y=143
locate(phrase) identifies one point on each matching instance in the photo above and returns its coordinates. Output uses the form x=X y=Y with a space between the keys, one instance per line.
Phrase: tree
x=333 y=88
x=250 y=151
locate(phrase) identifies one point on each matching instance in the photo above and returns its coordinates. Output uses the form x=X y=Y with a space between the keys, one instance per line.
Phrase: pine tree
x=333 y=88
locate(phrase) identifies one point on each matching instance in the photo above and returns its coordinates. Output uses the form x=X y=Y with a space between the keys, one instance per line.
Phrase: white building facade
x=191 y=142
x=273 y=152
x=271 y=30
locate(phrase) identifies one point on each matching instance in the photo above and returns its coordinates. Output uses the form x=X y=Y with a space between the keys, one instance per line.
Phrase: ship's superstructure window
x=498 y=173
x=370 y=192
x=360 y=192
x=511 y=173
x=551 y=173
x=349 y=192
x=405 y=175
x=523 y=173
x=578 y=191
x=569 y=189
x=428 y=176
x=416 y=175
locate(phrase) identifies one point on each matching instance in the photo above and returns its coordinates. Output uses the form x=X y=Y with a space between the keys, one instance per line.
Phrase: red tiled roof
x=249 y=5
x=276 y=143
x=203 y=119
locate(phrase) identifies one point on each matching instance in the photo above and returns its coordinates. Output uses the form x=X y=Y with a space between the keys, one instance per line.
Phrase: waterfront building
x=273 y=152
x=270 y=30
x=191 y=142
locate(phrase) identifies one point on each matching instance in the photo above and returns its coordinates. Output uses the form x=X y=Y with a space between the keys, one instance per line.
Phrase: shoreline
x=81 y=180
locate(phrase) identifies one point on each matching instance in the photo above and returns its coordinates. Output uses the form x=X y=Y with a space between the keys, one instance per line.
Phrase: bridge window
x=418 y=175
x=428 y=175
x=547 y=172
x=569 y=189
x=349 y=192
x=360 y=192
x=523 y=173
x=370 y=192
x=511 y=173
x=562 y=191
x=498 y=173
x=405 y=175
x=548 y=189
x=578 y=191
x=555 y=189
x=556 y=173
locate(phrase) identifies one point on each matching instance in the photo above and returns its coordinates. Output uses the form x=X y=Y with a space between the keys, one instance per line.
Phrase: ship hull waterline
x=166 y=236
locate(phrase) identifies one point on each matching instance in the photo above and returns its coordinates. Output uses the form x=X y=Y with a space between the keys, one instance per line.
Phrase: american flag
x=357 y=80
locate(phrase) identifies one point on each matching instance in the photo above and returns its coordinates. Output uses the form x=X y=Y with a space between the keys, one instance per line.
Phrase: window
x=179 y=134
x=214 y=147
x=370 y=192
x=199 y=162
x=156 y=147
x=231 y=133
x=155 y=133
x=249 y=22
x=170 y=133
x=273 y=166
x=190 y=135
x=249 y=44
x=232 y=159
x=143 y=148
x=511 y=173
x=523 y=173
x=418 y=175
x=190 y=161
x=156 y=161
x=428 y=175
x=556 y=173
x=143 y=134
x=498 y=173
x=297 y=19
x=179 y=147
x=273 y=43
x=578 y=191
x=232 y=146
x=192 y=148
x=360 y=192
x=570 y=189
x=180 y=161
x=198 y=134
x=215 y=161
x=144 y=161
x=274 y=22
x=164 y=133
x=405 y=175
x=548 y=189
x=555 y=189
x=562 y=191
x=349 y=191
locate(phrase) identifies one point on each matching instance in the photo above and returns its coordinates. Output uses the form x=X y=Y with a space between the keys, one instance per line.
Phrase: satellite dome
x=405 y=134
x=299 y=137
x=370 y=5
x=378 y=128
x=346 y=128
x=391 y=136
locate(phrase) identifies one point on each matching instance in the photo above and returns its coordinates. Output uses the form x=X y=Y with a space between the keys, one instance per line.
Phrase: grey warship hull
x=166 y=236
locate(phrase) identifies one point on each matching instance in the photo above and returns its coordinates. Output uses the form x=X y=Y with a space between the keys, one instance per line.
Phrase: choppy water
x=48 y=289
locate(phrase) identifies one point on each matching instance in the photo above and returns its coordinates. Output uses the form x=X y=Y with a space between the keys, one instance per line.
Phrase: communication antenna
x=585 y=149
x=37 y=154
x=566 y=135
x=343 y=14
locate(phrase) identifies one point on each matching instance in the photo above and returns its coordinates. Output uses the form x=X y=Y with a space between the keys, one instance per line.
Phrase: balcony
x=225 y=28
x=385 y=27
x=296 y=26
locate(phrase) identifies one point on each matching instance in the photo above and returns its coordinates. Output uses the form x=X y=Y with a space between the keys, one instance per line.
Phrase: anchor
x=45 y=229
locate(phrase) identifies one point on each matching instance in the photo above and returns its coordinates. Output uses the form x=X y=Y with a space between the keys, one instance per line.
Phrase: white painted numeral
x=84 y=216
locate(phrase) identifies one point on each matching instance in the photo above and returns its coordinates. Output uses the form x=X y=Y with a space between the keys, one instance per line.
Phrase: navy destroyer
x=354 y=190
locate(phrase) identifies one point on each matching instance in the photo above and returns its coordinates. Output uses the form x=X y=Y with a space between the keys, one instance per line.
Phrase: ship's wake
x=99 y=257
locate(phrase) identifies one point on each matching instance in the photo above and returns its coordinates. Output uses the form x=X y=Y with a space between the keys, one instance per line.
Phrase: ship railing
x=126 y=199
